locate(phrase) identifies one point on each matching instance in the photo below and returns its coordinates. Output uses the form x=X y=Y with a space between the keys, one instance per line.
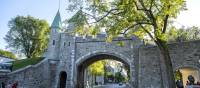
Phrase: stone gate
x=75 y=53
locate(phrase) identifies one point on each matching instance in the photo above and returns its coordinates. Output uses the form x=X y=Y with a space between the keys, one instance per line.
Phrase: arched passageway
x=183 y=74
x=63 y=79
x=84 y=64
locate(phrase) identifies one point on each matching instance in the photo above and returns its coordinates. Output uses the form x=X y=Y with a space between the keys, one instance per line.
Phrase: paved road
x=111 y=86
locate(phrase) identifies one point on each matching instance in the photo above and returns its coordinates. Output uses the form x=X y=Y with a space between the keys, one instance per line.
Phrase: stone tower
x=61 y=52
x=53 y=45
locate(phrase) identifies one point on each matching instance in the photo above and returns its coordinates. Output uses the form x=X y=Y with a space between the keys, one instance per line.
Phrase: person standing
x=179 y=84
x=15 y=85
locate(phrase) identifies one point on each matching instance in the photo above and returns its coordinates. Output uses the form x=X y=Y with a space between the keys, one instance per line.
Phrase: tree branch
x=150 y=35
x=137 y=7
x=134 y=25
x=165 y=23
x=149 y=14
x=90 y=16
x=108 y=12
x=151 y=5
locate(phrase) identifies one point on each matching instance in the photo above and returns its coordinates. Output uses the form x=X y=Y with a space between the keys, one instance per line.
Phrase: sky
x=46 y=9
x=42 y=9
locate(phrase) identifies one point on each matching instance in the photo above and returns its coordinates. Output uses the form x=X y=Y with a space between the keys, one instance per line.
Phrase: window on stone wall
x=69 y=44
x=64 y=43
x=53 y=42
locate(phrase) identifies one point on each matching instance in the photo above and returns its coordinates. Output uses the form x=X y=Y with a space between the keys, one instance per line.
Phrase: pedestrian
x=9 y=85
x=2 y=85
x=15 y=85
x=179 y=84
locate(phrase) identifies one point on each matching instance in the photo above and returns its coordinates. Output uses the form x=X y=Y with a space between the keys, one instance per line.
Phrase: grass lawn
x=25 y=62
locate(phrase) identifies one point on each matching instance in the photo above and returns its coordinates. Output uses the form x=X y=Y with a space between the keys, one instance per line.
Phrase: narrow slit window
x=64 y=43
x=53 y=42
x=69 y=44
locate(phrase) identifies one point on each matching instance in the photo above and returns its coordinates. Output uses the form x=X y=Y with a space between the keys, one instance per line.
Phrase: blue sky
x=46 y=9
x=42 y=9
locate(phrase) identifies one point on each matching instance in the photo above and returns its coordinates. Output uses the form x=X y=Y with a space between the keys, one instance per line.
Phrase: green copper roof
x=57 y=21
x=78 y=17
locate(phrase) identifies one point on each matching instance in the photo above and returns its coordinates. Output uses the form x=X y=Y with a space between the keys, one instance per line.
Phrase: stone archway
x=62 y=79
x=184 y=72
x=91 y=59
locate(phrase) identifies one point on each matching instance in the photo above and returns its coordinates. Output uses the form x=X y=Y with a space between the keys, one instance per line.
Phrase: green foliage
x=130 y=17
x=119 y=77
x=183 y=34
x=28 y=35
x=120 y=43
x=178 y=75
x=25 y=62
x=108 y=74
x=97 y=68
x=7 y=54
x=172 y=34
x=79 y=18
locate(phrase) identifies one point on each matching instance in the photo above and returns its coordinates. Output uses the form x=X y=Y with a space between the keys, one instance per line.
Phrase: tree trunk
x=166 y=66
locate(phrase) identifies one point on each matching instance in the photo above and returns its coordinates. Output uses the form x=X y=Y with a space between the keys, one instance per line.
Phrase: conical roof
x=78 y=17
x=57 y=21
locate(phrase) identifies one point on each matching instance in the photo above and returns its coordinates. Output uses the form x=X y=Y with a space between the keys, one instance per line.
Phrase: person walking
x=15 y=85
x=179 y=84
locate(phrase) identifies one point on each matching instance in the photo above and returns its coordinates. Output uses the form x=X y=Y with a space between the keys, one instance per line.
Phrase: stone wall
x=32 y=76
x=149 y=68
x=144 y=62
x=185 y=54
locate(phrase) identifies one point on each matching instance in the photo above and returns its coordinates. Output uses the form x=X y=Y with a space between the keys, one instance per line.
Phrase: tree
x=184 y=34
x=136 y=17
x=97 y=68
x=7 y=54
x=119 y=77
x=28 y=35
x=178 y=75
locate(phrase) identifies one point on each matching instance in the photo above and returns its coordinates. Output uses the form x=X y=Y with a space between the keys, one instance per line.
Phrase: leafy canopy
x=129 y=17
x=28 y=35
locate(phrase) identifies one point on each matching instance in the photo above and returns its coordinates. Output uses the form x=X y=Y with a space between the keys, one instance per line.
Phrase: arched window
x=63 y=79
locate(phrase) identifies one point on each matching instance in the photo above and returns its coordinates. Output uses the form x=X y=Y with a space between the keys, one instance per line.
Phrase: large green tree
x=7 y=54
x=28 y=35
x=135 y=17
